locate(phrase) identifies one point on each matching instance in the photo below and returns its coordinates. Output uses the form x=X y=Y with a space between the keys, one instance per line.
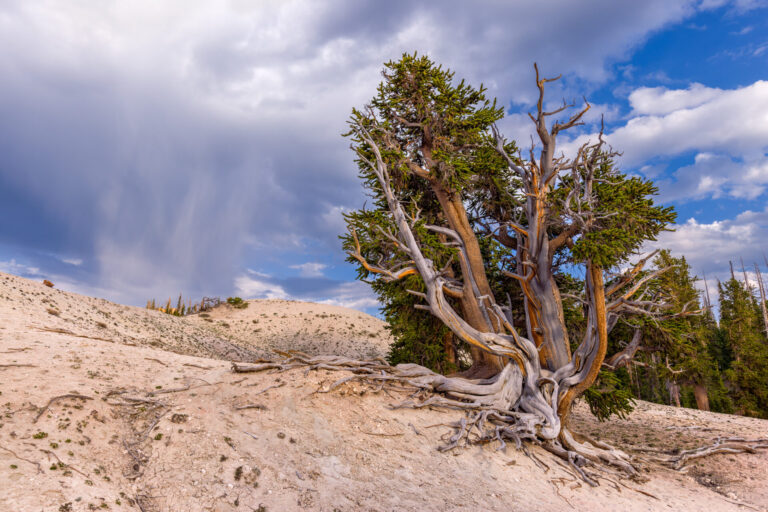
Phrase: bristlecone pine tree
x=479 y=232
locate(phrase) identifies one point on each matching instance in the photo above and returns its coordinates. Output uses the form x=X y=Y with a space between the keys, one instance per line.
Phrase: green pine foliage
x=610 y=396
x=237 y=302
x=419 y=337
x=676 y=349
x=743 y=349
x=627 y=216
x=417 y=91
x=683 y=348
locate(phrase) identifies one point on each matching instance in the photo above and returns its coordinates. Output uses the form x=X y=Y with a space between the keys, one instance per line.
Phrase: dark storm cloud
x=165 y=143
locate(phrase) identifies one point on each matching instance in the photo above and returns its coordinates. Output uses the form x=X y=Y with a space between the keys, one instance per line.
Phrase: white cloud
x=733 y=122
x=737 y=5
x=73 y=261
x=181 y=136
x=310 y=269
x=715 y=176
x=253 y=288
x=727 y=129
x=709 y=247
x=354 y=295
x=660 y=100
x=19 y=269
x=350 y=294
x=257 y=273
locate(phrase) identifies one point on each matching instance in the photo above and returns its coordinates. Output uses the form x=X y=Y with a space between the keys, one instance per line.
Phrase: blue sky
x=194 y=147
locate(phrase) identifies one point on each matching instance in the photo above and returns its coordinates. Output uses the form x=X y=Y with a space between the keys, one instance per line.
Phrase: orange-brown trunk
x=601 y=327
x=483 y=363
x=702 y=400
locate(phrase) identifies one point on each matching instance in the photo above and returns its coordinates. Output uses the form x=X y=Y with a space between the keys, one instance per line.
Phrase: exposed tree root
x=70 y=333
x=36 y=464
x=14 y=365
x=49 y=453
x=60 y=397
x=496 y=409
x=148 y=411
x=721 y=445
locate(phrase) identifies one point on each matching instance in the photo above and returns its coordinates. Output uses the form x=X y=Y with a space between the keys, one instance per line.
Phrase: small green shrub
x=237 y=302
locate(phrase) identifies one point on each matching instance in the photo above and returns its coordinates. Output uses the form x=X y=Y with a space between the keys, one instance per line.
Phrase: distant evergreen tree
x=717 y=352
x=745 y=348
x=672 y=363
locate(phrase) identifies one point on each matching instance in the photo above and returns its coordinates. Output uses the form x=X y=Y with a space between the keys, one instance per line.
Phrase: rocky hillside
x=129 y=416
x=225 y=332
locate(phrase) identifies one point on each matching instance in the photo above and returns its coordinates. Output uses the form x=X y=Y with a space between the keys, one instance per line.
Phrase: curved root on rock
x=496 y=409
x=721 y=445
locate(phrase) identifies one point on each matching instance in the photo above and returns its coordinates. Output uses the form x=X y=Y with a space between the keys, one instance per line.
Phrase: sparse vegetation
x=237 y=302
x=182 y=308
x=84 y=430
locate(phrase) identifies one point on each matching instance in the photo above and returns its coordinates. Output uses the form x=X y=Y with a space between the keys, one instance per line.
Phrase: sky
x=153 y=148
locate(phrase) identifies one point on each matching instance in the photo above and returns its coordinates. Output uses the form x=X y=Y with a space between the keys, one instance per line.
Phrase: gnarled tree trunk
x=475 y=283
x=522 y=387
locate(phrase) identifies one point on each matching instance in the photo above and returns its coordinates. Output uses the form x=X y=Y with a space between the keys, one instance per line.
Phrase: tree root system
x=495 y=409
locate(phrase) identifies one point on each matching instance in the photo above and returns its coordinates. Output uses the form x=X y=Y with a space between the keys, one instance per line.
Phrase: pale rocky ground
x=224 y=333
x=304 y=326
x=299 y=449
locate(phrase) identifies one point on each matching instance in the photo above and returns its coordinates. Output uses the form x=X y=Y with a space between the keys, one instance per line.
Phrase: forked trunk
x=523 y=401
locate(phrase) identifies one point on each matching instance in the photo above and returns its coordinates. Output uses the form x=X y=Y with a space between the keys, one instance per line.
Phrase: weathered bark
x=625 y=356
x=591 y=353
x=475 y=282
x=535 y=379
x=702 y=400
x=721 y=445
x=553 y=335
